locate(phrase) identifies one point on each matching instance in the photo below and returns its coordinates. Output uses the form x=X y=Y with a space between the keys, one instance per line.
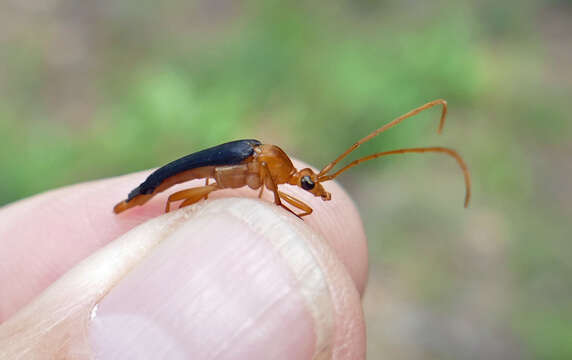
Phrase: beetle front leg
x=266 y=174
x=261 y=191
x=296 y=203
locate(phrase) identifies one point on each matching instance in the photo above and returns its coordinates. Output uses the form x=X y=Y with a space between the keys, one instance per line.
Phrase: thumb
x=230 y=278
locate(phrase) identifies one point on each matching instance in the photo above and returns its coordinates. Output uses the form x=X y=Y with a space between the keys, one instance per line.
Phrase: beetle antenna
x=387 y=126
x=443 y=150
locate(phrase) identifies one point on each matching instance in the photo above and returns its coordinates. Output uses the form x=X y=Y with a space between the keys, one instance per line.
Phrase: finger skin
x=76 y=221
x=57 y=323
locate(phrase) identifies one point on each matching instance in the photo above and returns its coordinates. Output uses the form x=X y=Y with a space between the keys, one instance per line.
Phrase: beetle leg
x=206 y=184
x=190 y=196
x=273 y=187
x=188 y=202
x=261 y=190
x=296 y=203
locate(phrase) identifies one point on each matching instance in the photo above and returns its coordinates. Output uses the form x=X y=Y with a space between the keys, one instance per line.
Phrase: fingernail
x=236 y=280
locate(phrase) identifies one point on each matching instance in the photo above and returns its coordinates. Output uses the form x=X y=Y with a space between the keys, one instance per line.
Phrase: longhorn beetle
x=250 y=163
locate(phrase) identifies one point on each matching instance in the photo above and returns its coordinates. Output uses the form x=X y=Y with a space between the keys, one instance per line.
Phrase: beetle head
x=308 y=180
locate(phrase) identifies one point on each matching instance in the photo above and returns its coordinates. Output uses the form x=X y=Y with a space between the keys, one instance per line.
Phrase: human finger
x=230 y=278
x=44 y=236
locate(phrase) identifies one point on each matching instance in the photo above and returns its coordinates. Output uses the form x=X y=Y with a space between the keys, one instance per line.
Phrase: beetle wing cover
x=230 y=153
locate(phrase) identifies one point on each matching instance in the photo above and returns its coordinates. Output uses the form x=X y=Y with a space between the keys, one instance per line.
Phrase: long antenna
x=387 y=126
x=438 y=149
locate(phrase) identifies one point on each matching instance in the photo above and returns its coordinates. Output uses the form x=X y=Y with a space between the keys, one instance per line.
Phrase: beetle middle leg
x=190 y=196
x=206 y=184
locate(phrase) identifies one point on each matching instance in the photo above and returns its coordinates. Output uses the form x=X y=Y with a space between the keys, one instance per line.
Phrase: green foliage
x=159 y=83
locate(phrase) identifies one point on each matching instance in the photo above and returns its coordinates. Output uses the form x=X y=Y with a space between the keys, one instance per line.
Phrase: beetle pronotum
x=250 y=163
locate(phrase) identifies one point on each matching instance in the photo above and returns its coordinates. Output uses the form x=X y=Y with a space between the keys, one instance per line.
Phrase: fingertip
x=339 y=221
x=85 y=211
x=176 y=283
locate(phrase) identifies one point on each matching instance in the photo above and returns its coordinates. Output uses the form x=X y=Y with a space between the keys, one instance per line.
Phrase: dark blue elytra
x=230 y=153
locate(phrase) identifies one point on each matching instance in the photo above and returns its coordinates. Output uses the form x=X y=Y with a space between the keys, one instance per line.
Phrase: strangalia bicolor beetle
x=250 y=163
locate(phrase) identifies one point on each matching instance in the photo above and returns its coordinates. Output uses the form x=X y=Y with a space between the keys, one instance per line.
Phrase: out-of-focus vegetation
x=92 y=89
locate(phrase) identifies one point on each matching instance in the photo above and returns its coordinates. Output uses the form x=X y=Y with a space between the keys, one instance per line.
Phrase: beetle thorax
x=279 y=164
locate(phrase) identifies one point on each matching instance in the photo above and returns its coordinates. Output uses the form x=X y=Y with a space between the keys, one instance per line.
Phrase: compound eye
x=307 y=183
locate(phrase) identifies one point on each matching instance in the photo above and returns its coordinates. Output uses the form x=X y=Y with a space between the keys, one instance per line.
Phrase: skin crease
x=84 y=212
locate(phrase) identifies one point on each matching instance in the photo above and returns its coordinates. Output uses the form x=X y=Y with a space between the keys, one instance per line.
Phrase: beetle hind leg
x=190 y=196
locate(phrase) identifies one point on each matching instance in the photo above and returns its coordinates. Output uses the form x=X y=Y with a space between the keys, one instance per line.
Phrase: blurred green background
x=92 y=89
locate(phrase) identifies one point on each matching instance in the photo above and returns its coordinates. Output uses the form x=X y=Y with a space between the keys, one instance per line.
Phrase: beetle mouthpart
x=326 y=196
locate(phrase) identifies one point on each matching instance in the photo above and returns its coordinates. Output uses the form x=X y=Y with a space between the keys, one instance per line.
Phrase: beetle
x=251 y=163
